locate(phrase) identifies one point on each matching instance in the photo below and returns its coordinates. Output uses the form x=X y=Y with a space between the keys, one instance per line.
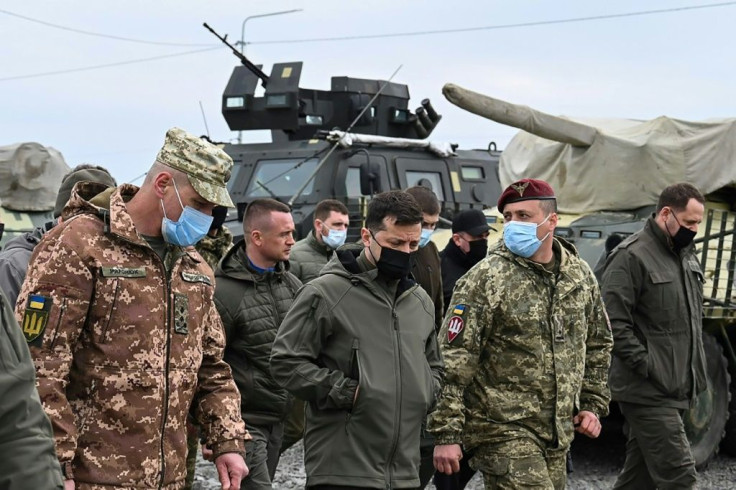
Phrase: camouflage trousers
x=520 y=464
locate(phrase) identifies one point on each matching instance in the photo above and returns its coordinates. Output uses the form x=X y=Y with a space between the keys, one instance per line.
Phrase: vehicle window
x=352 y=182
x=281 y=177
x=414 y=177
x=471 y=173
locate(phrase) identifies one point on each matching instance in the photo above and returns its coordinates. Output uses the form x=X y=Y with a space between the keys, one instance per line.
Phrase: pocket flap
x=660 y=277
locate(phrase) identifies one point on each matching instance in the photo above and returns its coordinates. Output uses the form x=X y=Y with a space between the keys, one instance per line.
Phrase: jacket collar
x=652 y=228
x=236 y=265
x=318 y=247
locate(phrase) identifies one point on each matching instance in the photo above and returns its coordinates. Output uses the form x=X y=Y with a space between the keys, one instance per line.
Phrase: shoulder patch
x=194 y=277
x=455 y=328
x=459 y=310
x=36 y=317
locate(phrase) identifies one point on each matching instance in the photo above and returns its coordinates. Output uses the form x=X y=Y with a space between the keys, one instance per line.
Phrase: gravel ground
x=596 y=464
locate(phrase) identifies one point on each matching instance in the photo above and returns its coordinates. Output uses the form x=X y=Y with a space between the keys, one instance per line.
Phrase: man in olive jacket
x=653 y=290
x=26 y=440
x=254 y=290
x=359 y=345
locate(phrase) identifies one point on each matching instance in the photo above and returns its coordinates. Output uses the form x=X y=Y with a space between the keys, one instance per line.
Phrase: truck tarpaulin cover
x=607 y=164
x=30 y=176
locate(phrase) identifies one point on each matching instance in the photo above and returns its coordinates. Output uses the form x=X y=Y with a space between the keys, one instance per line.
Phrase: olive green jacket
x=252 y=306
x=345 y=336
x=524 y=350
x=26 y=440
x=427 y=272
x=654 y=299
x=308 y=257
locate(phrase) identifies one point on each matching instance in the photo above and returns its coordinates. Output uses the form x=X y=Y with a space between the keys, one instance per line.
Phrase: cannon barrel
x=522 y=117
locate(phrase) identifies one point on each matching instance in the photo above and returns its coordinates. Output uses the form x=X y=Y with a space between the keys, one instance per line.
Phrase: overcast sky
x=680 y=64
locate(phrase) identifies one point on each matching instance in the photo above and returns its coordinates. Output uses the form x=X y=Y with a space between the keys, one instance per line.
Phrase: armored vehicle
x=347 y=143
x=30 y=176
x=608 y=175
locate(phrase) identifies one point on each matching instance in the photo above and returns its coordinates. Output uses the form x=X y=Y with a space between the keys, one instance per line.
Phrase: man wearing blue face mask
x=118 y=311
x=310 y=254
x=527 y=347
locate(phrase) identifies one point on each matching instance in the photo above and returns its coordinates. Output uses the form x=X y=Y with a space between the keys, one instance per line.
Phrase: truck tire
x=705 y=422
x=728 y=444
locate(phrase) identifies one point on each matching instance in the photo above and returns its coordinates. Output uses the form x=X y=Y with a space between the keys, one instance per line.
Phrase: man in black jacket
x=467 y=246
x=254 y=290
x=653 y=290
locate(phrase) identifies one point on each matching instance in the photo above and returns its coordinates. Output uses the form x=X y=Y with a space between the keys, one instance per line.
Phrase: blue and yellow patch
x=36 y=317
x=459 y=310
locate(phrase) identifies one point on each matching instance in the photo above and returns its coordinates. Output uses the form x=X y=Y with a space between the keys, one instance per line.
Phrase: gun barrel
x=522 y=117
x=248 y=64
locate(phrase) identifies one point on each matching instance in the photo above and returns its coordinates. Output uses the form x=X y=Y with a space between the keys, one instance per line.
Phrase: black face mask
x=393 y=264
x=683 y=237
x=478 y=251
x=2 y=228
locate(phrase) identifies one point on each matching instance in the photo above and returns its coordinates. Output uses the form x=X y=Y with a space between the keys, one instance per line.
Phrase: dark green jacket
x=426 y=270
x=654 y=298
x=308 y=257
x=345 y=330
x=252 y=306
x=26 y=441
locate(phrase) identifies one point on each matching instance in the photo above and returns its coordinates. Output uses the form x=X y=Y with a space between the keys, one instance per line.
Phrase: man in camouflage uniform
x=527 y=348
x=118 y=309
x=218 y=240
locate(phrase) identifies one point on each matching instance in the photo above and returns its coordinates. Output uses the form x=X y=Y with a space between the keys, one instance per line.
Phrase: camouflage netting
x=608 y=164
x=30 y=176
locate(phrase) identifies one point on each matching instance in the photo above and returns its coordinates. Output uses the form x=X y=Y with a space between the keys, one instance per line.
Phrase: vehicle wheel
x=705 y=422
x=728 y=444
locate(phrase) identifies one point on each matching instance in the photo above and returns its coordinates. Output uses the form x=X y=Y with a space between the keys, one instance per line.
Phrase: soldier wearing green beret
x=526 y=345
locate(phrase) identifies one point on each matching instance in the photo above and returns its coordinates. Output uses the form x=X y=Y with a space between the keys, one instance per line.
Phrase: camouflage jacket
x=123 y=345
x=524 y=350
x=213 y=249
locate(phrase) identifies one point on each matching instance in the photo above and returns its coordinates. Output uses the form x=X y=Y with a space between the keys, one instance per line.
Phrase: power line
x=348 y=38
x=97 y=34
x=108 y=65
x=498 y=27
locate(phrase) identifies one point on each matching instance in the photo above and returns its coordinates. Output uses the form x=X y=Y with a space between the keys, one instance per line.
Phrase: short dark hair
x=549 y=206
x=676 y=196
x=397 y=204
x=326 y=206
x=258 y=209
x=426 y=198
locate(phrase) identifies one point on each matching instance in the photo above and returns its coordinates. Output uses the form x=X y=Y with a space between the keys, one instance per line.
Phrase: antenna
x=205 y=119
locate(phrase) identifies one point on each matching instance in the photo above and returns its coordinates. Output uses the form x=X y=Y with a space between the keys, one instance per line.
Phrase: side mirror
x=370 y=178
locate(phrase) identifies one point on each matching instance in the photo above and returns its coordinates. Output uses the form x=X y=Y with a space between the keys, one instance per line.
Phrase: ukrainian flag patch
x=459 y=310
x=36 y=317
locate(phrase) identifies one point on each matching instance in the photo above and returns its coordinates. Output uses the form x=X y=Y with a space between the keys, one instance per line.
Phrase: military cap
x=80 y=173
x=526 y=190
x=206 y=165
x=471 y=221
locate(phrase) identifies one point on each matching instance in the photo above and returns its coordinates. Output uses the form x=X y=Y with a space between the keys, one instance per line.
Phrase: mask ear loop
x=540 y=224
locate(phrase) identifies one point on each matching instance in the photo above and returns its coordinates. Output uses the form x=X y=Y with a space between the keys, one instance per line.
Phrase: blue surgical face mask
x=335 y=238
x=192 y=226
x=521 y=237
x=424 y=238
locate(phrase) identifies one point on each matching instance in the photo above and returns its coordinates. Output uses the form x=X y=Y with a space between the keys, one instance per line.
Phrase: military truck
x=30 y=177
x=347 y=143
x=607 y=175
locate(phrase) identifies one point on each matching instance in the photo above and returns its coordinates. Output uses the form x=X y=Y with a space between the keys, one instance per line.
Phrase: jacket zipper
x=166 y=371
x=397 y=417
